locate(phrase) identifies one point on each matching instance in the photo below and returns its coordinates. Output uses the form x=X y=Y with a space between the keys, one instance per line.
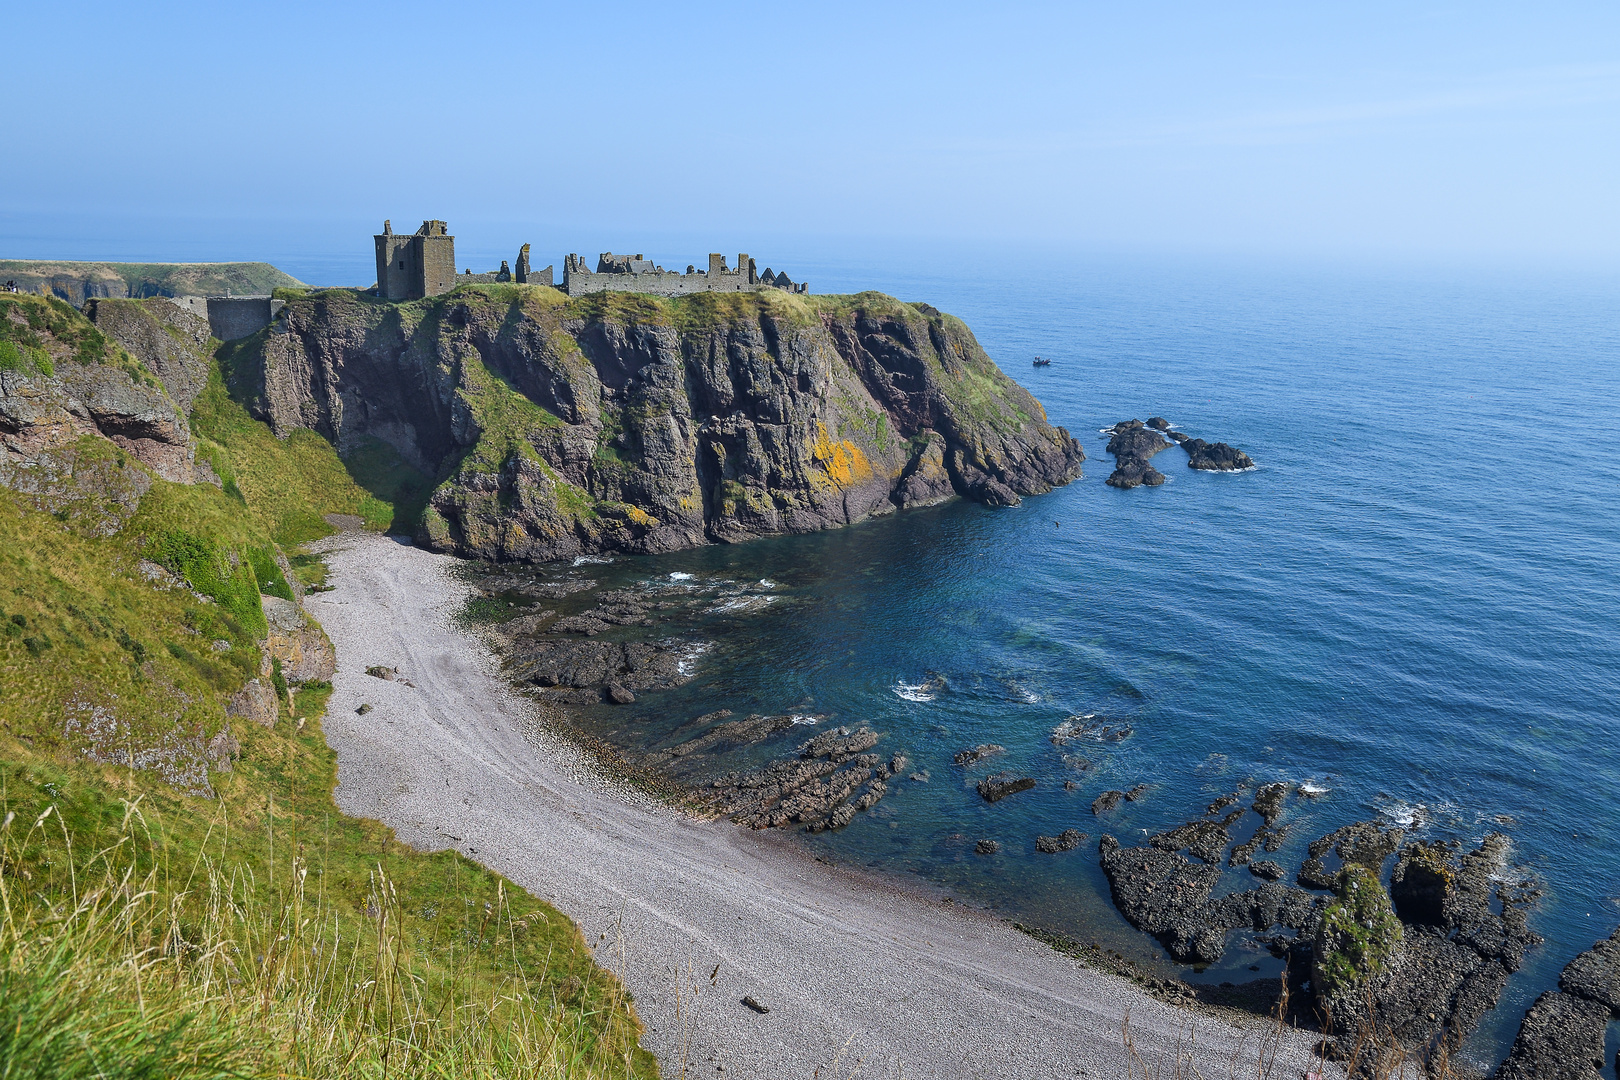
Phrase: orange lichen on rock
x=843 y=462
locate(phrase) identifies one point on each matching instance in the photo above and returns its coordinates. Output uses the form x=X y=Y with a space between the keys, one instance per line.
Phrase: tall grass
x=116 y=962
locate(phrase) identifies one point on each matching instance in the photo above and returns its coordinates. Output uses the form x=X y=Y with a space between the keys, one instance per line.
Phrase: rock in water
x=978 y=753
x=998 y=787
x=1215 y=457
x=1067 y=840
x=1563 y=1033
x=1132 y=444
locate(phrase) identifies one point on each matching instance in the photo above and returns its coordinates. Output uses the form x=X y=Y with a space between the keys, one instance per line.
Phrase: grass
x=179 y=895
x=140 y=938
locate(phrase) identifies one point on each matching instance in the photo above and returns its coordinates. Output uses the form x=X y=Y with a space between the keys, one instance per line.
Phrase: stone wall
x=232 y=317
x=621 y=274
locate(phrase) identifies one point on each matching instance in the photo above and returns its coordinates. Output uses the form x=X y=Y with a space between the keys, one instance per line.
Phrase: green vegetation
x=261 y=934
x=32 y=326
x=73 y=280
x=289 y=485
x=1359 y=933
x=179 y=895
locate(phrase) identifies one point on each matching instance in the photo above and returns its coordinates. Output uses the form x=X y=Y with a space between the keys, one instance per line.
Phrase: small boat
x=1042 y=363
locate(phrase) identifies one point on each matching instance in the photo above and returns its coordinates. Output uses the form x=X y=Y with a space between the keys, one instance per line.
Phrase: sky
x=1466 y=132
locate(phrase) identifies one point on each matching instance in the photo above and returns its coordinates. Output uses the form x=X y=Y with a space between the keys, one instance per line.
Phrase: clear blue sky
x=1452 y=132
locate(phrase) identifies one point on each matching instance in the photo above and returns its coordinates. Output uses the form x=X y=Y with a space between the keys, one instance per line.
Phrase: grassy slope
x=81 y=629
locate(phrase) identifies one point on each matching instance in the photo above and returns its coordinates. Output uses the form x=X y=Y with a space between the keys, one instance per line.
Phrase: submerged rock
x=976 y=754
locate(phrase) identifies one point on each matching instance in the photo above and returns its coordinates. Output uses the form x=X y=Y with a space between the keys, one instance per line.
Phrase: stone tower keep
x=411 y=267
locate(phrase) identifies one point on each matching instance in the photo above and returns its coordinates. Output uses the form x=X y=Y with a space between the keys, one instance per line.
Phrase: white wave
x=912 y=692
x=741 y=603
x=1313 y=788
x=679 y=576
x=766 y=583
x=803 y=720
x=688 y=662
x=1407 y=815
x=595 y=560
x=1028 y=697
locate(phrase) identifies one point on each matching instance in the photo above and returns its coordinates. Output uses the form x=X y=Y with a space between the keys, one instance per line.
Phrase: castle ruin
x=621 y=273
x=424 y=264
x=411 y=267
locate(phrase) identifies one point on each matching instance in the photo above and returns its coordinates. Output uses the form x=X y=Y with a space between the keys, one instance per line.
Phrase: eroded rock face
x=618 y=422
x=171 y=341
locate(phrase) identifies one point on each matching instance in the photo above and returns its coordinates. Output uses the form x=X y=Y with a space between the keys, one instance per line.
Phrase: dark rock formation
x=1163 y=892
x=1562 y=1035
x=616 y=422
x=1106 y=801
x=998 y=787
x=1465 y=931
x=986 y=847
x=1561 y=1039
x=1132 y=444
x=1067 y=840
x=816 y=788
x=1215 y=457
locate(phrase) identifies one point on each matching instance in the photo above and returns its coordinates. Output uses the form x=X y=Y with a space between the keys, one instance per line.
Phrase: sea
x=1410 y=607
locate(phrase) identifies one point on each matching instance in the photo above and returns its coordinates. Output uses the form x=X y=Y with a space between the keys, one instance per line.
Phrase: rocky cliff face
x=76 y=408
x=632 y=423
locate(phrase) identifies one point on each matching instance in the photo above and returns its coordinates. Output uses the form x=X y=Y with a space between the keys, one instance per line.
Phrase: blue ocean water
x=1410 y=604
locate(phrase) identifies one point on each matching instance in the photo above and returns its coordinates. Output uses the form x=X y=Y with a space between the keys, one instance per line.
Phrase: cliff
x=614 y=422
x=77 y=282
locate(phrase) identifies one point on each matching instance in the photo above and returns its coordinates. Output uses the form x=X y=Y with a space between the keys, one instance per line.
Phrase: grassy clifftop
x=179 y=894
x=76 y=281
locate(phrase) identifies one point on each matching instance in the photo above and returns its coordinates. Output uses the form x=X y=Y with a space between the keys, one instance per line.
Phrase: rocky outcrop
x=995 y=788
x=1562 y=1035
x=302 y=647
x=255 y=702
x=84 y=426
x=1132 y=444
x=1215 y=457
x=617 y=422
x=816 y=788
x=171 y=341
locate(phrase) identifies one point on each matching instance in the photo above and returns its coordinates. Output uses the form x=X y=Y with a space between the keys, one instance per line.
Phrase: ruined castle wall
x=232 y=317
x=438 y=255
x=395 y=266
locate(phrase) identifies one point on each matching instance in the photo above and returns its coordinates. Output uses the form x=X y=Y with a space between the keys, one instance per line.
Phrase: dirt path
x=860 y=979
